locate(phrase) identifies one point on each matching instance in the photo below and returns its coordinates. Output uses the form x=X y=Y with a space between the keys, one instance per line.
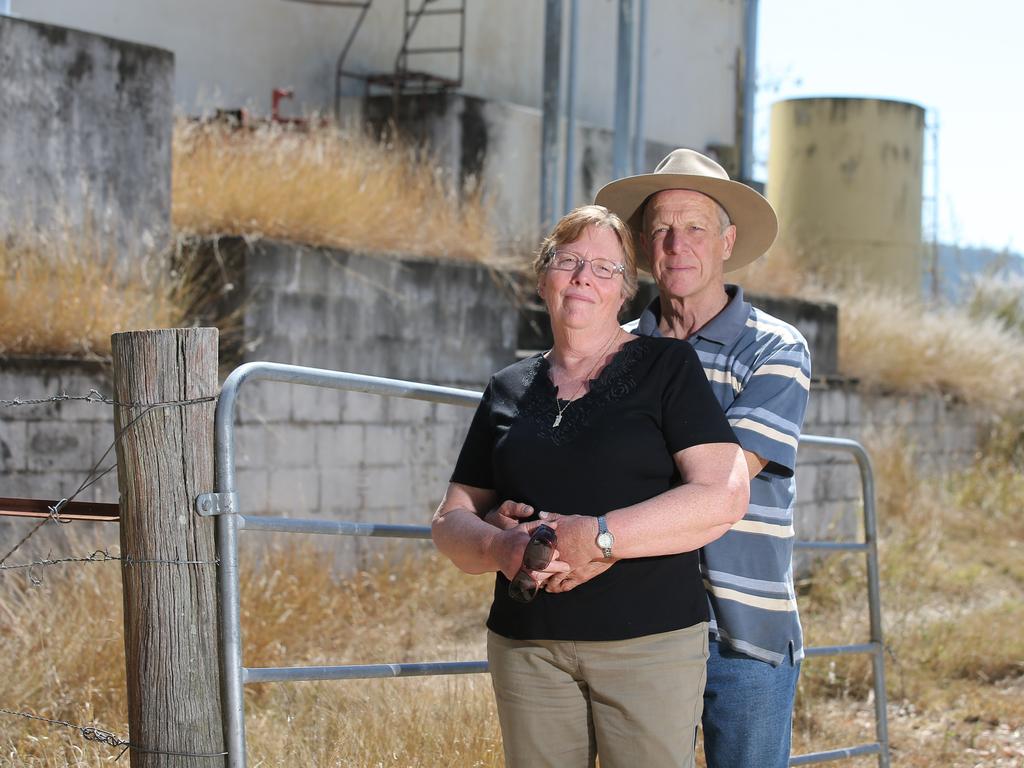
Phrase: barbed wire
x=91 y=733
x=102 y=556
x=92 y=476
x=95 y=396
x=99 y=556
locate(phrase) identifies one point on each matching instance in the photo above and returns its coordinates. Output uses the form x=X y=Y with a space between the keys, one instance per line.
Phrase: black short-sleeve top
x=614 y=447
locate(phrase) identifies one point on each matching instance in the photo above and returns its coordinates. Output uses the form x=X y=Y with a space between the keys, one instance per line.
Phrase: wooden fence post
x=169 y=576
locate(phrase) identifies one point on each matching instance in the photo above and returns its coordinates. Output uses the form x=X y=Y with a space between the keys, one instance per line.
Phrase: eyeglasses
x=567 y=261
x=539 y=551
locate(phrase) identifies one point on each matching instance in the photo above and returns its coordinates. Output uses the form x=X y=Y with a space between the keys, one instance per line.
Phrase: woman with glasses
x=619 y=437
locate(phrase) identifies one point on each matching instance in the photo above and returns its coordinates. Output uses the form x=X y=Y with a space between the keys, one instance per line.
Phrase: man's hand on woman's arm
x=508 y=514
x=478 y=547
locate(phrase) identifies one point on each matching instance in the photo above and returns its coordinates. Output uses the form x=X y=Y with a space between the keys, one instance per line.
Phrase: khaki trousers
x=634 y=702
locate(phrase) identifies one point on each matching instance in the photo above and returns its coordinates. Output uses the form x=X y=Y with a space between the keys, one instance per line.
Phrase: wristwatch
x=605 y=540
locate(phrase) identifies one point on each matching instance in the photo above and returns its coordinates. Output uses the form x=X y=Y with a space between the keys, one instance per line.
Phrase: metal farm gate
x=223 y=503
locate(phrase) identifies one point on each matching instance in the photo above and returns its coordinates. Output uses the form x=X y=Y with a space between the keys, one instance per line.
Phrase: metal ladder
x=405 y=79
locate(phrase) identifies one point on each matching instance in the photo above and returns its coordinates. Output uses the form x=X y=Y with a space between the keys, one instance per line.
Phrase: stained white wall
x=231 y=53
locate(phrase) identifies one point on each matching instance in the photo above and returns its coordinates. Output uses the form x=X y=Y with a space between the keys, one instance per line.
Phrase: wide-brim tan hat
x=755 y=219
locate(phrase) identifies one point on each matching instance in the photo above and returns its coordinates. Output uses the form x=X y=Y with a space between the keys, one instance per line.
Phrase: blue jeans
x=748 y=710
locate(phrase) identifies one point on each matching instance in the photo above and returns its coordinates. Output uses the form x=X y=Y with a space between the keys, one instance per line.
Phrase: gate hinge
x=211 y=504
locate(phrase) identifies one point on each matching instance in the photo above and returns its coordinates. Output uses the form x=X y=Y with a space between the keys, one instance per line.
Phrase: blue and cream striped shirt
x=759 y=368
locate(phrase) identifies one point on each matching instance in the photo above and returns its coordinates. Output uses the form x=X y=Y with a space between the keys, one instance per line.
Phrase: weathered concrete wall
x=309 y=451
x=304 y=451
x=497 y=144
x=86 y=135
x=232 y=53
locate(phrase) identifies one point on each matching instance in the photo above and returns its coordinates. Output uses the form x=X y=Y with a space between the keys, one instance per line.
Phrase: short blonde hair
x=571 y=227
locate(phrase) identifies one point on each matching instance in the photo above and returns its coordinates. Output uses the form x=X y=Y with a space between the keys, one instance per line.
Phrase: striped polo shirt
x=759 y=368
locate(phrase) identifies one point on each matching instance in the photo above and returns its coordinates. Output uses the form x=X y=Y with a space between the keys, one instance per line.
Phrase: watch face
x=604 y=540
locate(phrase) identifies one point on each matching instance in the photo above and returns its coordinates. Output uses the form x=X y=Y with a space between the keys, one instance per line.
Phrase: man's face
x=687 y=247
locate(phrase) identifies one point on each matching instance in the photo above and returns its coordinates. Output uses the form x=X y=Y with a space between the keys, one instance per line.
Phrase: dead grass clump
x=894 y=342
x=66 y=295
x=891 y=342
x=322 y=187
x=61 y=631
x=297 y=610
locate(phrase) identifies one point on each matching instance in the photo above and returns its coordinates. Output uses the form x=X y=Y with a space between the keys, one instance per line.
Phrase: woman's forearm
x=465 y=539
x=680 y=520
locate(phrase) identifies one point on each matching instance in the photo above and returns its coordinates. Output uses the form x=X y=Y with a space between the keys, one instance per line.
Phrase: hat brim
x=755 y=219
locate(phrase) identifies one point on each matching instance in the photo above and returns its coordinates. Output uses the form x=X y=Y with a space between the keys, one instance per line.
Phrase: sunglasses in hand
x=540 y=550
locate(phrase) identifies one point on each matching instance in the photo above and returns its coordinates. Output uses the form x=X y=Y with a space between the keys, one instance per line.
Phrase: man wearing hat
x=694 y=224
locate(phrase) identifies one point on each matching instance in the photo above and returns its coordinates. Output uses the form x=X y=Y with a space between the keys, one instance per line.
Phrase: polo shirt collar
x=723 y=328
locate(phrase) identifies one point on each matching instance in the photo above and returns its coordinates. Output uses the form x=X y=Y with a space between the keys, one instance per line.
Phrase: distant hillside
x=958 y=265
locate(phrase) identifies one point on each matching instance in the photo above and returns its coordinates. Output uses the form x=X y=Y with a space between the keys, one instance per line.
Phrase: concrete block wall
x=47 y=451
x=305 y=451
x=348 y=455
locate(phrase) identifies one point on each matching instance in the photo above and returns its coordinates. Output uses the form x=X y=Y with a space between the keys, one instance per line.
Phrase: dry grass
x=323 y=187
x=64 y=296
x=896 y=343
x=953 y=602
x=337 y=189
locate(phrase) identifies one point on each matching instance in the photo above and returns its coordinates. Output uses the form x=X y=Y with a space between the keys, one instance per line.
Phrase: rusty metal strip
x=95 y=511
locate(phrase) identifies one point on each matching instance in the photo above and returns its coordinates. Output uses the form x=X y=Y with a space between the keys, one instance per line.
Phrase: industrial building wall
x=232 y=53
x=85 y=143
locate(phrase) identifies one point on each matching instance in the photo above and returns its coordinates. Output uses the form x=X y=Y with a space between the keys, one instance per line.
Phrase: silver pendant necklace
x=561 y=409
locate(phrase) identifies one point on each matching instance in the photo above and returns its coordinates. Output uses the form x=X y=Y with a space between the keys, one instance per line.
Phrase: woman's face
x=580 y=300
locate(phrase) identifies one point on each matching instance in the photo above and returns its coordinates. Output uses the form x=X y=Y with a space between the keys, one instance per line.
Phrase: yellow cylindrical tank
x=845 y=177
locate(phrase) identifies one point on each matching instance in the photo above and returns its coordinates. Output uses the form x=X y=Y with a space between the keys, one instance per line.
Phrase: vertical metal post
x=549 y=126
x=639 y=122
x=623 y=90
x=228 y=587
x=874 y=604
x=568 y=196
x=746 y=164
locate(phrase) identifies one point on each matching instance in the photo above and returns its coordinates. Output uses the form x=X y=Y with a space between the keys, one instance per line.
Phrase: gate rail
x=223 y=503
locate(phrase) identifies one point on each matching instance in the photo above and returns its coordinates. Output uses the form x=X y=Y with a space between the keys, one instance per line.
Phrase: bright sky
x=960 y=61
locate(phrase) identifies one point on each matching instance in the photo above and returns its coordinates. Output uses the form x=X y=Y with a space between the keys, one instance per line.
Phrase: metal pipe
x=874 y=589
x=339 y=67
x=840 y=650
x=228 y=525
x=746 y=163
x=639 y=118
x=837 y=754
x=549 y=114
x=848 y=546
x=227 y=574
x=362 y=671
x=623 y=90
x=568 y=192
x=331 y=527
